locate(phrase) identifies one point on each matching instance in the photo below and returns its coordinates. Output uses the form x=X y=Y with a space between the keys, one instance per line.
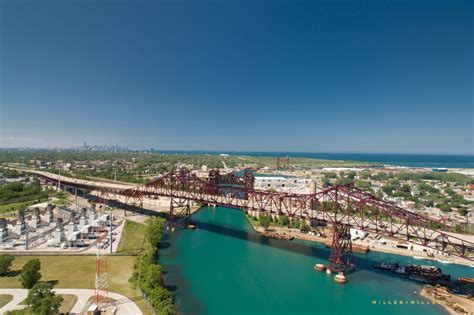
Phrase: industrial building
x=54 y=227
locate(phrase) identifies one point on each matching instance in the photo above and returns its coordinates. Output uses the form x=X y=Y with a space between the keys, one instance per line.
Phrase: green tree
x=326 y=182
x=444 y=207
x=161 y=301
x=406 y=188
x=388 y=189
x=343 y=181
x=264 y=221
x=152 y=277
x=6 y=261
x=362 y=184
x=351 y=175
x=42 y=300
x=458 y=228
x=153 y=231
x=284 y=221
x=462 y=211
x=429 y=203
x=30 y=273
x=295 y=223
x=330 y=175
x=304 y=227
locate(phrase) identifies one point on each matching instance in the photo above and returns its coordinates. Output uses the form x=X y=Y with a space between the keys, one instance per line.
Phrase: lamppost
x=110 y=229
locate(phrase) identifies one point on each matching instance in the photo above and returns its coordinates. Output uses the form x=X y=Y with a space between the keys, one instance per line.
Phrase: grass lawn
x=4 y=299
x=133 y=237
x=79 y=272
x=19 y=205
x=68 y=302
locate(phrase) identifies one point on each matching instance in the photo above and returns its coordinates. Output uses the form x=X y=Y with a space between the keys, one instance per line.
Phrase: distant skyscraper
x=85 y=145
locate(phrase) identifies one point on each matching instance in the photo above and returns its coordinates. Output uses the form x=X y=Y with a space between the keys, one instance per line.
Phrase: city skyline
x=391 y=77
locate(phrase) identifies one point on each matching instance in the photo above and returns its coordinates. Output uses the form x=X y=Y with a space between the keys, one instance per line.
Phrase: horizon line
x=241 y=151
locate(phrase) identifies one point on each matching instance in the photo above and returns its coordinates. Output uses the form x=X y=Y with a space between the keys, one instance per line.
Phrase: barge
x=387 y=266
x=465 y=280
x=419 y=273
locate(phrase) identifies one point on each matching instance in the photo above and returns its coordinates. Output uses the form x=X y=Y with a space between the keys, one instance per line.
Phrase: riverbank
x=148 y=274
x=371 y=244
x=453 y=304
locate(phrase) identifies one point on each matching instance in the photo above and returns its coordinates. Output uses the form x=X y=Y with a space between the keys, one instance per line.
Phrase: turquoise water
x=223 y=267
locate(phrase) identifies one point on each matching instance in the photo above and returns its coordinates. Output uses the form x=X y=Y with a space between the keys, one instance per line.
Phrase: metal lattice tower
x=101 y=294
x=341 y=259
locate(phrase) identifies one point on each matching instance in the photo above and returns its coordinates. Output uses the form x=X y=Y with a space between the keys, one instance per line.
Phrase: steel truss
x=180 y=212
x=343 y=206
x=341 y=259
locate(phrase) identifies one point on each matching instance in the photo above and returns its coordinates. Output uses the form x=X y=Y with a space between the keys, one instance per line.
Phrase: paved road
x=18 y=296
x=124 y=305
x=90 y=183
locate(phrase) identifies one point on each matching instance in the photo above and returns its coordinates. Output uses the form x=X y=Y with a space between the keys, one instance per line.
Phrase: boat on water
x=418 y=257
x=423 y=270
x=386 y=266
x=445 y=261
x=400 y=270
x=419 y=278
x=420 y=273
x=465 y=280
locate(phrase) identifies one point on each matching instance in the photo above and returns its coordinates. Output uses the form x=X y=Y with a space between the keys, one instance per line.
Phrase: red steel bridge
x=343 y=206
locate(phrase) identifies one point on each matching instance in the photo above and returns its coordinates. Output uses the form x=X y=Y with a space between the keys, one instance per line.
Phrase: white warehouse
x=266 y=182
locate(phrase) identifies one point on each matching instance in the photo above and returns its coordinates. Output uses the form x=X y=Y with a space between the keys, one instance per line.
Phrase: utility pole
x=26 y=235
x=467 y=221
x=77 y=203
x=110 y=230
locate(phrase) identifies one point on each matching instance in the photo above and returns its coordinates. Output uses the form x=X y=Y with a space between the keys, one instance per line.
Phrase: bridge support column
x=341 y=259
x=180 y=213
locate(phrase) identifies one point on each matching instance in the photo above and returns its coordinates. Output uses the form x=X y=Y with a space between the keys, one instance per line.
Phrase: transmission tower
x=101 y=294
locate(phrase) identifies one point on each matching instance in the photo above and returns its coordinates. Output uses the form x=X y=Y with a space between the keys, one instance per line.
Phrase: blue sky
x=315 y=76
